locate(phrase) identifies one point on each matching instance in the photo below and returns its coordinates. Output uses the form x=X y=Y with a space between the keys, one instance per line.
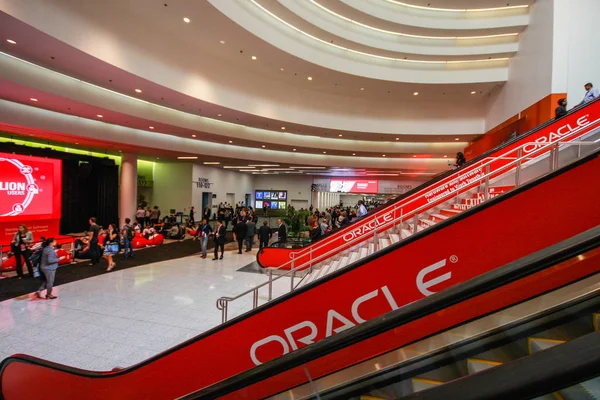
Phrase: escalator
x=498 y=321
x=433 y=202
x=548 y=209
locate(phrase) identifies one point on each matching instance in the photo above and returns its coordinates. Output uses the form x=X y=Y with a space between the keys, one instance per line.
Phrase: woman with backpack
x=48 y=265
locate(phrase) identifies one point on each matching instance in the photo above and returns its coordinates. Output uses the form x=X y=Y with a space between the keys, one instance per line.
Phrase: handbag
x=112 y=248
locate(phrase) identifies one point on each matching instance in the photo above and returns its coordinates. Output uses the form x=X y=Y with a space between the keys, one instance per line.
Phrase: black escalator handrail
x=461 y=292
x=542 y=373
x=446 y=174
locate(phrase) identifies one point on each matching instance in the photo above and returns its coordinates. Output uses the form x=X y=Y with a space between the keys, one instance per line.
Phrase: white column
x=128 y=187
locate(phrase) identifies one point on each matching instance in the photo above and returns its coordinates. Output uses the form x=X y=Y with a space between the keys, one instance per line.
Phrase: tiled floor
x=124 y=317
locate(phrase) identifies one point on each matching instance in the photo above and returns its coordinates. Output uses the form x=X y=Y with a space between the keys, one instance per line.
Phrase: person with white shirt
x=362 y=210
x=590 y=94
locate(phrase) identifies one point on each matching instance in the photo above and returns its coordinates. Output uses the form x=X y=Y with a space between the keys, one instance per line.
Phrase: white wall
x=172 y=186
x=530 y=71
x=224 y=183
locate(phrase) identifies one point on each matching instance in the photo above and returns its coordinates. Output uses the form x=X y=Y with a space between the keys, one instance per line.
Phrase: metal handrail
x=222 y=303
x=449 y=178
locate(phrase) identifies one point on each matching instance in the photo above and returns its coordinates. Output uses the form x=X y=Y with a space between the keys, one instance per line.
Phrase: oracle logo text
x=554 y=136
x=369 y=226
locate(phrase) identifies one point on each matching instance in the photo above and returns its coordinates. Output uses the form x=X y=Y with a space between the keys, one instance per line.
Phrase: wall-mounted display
x=274 y=199
x=354 y=186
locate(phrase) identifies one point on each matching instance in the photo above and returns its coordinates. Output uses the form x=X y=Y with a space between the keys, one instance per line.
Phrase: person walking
x=48 y=266
x=240 y=230
x=264 y=234
x=127 y=233
x=220 y=233
x=203 y=232
x=250 y=232
x=94 y=250
x=111 y=246
x=192 y=212
x=281 y=233
x=20 y=248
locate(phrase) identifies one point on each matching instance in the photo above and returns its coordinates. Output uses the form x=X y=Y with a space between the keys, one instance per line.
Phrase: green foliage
x=295 y=221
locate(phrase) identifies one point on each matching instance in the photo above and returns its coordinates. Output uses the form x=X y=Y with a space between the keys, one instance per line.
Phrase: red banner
x=354 y=186
x=30 y=194
x=578 y=124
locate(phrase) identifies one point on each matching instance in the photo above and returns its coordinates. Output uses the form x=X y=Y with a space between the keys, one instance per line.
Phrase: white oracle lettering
x=388 y=296
x=308 y=339
x=358 y=302
x=272 y=338
x=347 y=324
x=423 y=285
x=583 y=120
x=12 y=186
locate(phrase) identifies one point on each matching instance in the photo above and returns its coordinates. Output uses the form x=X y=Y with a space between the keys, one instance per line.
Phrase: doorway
x=206 y=200
x=248 y=199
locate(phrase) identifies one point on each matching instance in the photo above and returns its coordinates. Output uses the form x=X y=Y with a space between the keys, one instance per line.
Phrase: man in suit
x=250 y=232
x=220 y=233
x=264 y=234
x=240 y=230
x=281 y=233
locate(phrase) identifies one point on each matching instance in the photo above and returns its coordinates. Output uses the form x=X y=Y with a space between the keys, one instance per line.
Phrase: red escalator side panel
x=545 y=214
x=276 y=257
x=557 y=276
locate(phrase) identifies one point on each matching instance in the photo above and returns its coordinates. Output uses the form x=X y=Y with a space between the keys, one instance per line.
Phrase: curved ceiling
x=239 y=72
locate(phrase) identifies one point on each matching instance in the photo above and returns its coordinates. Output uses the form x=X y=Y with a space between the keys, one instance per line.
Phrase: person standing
x=362 y=210
x=460 y=160
x=203 y=232
x=48 y=266
x=207 y=213
x=281 y=233
x=154 y=216
x=264 y=234
x=590 y=94
x=20 y=248
x=561 y=110
x=220 y=233
x=128 y=234
x=111 y=246
x=94 y=250
x=240 y=230
x=192 y=212
x=251 y=231
x=147 y=215
x=139 y=215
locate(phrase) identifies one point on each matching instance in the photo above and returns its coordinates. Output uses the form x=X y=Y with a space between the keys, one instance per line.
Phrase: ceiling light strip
x=458 y=9
x=407 y=34
x=374 y=55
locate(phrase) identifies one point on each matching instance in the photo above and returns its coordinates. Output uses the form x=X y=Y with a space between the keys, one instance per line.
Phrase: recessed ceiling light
x=281 y=69
x=416 y=93
x=33 y=99
x=293 y=149
x=187 y=158
x=193 y=135
x=353 y=154
x=187 y=20
x=218 y=115
x=397 y=138
x=76 y=143
x=445 y=156
x=231 y=141
x=283 y=128
x=211 y=163
x=457 y=139
x=324 y=152
x=138 y=90
x=473 y=92
x=340 y=135
x=415 y=156
x=151 y=127
x=100 y=116
x=263 y=146
x=11 y=41
x=362 y=88
x=310 y=78
x=222 y=42
x=254 y=57
x=263 y=165
x=383 y=155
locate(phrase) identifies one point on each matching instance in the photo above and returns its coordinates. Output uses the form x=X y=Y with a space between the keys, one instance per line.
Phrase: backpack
x=130 y=233
x=36 y=258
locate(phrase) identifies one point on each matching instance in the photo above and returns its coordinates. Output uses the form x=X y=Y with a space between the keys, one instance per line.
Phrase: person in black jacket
x=220 y=233
x=561 y=110
x=240 y=230
x=264 y=234
x=281 y=233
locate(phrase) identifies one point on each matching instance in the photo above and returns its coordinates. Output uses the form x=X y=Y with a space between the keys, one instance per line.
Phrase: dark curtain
x=90 y=189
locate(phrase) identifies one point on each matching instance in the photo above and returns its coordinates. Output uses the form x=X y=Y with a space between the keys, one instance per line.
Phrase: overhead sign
x=354 y=186
x=30 y=193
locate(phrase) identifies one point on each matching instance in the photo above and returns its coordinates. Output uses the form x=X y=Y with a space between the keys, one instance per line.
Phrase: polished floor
x=121 y=318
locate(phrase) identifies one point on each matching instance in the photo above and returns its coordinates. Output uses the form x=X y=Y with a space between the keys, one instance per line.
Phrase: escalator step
x=475 y=365
x=419 y=384
x=538 y=344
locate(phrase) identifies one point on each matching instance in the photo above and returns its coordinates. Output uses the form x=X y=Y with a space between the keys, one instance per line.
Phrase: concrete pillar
x=128 y=187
